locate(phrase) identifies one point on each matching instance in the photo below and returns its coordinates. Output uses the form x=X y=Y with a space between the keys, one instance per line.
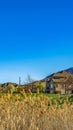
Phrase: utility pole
x=19 y=81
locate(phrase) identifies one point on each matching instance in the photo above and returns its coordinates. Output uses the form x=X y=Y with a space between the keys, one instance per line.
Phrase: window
x=52 y=86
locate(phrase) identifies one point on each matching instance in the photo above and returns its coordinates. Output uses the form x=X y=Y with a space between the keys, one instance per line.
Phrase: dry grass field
x=34 y=113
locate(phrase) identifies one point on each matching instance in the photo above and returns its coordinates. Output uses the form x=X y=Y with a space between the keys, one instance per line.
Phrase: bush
x=9 y=88
x=40 y=87
x=20 y=89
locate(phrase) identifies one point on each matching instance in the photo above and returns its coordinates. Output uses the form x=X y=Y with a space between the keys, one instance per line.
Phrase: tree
x=41 y=86
x=29 y=79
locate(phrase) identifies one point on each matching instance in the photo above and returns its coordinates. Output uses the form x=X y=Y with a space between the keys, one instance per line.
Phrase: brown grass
x=33 y=113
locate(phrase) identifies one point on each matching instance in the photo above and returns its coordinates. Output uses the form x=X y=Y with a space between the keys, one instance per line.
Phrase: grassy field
x=36 y=111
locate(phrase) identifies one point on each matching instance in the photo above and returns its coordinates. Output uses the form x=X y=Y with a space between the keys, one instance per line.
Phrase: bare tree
x=29 y=79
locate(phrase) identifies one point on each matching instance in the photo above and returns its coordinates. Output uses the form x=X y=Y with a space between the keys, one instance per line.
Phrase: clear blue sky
x=36 y=38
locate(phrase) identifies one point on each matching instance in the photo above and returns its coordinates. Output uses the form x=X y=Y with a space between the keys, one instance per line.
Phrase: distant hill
x=69 y=70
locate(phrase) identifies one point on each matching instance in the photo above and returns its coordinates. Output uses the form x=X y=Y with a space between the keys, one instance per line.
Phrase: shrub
x=34 y=113
x=9 y=88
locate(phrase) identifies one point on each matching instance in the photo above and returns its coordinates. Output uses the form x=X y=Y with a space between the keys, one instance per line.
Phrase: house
x=61 y=82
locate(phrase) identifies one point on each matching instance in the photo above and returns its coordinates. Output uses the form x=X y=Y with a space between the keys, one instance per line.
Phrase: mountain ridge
x=69 y=70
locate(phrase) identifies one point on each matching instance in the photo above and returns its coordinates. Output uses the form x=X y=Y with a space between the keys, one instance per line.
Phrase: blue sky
x=36 y=38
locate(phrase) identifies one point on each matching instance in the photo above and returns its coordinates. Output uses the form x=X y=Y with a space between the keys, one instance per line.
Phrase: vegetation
x=35 y=111
x=41 y=86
